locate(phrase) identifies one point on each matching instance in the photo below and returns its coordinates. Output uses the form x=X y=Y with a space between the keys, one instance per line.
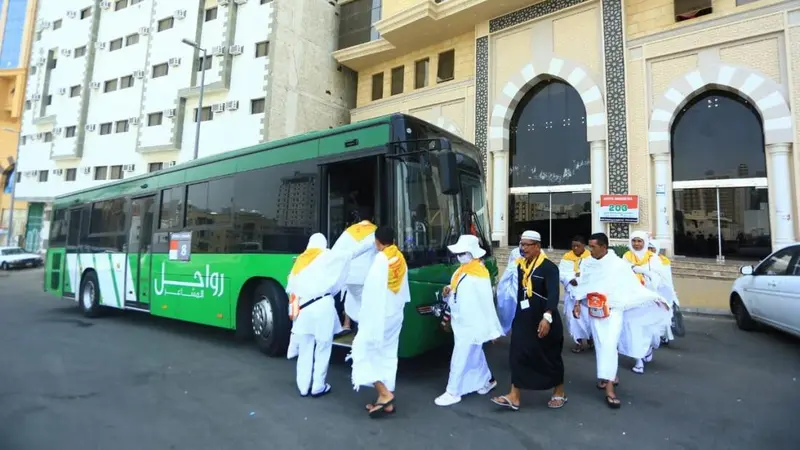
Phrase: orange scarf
x=527 y=270
x=305 y=259
x=576 y=260
x=397 y=267
x=474 y=268
x=361 y=230
x=631 y=258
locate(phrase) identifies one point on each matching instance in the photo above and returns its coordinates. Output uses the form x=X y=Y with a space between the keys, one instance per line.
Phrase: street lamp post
x=200 y=100
x=13 y=181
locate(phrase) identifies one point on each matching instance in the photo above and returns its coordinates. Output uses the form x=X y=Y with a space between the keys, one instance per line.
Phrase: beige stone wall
x=392 y=7
x=793 y=60
x=758 y=43
x=464 y=47
x=646 y=17
x=575 y=34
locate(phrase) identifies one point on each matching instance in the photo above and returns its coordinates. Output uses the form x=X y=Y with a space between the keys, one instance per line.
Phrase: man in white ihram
x=625 y=316
x=474 y=322
x=374 y=351
x=317 y=274
x=358 y=240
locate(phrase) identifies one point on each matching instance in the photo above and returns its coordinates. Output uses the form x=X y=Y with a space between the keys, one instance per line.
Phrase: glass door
x=140 y=235
x=558 y=216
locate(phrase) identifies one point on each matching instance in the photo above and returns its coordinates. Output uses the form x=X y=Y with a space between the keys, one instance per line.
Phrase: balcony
x=421 y=25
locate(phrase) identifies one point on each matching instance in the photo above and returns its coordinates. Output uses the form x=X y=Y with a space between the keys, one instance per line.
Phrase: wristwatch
x=548 y=317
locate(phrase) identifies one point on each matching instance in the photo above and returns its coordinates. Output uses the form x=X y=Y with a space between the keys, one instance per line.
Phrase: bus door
x=71 y=262
x=140 y=239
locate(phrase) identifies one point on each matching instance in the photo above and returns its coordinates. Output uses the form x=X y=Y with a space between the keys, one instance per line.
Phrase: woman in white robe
x=374 y=351
x=569 y=270
x=359 y=241
x=474 y=322
x=634 y=314
x=666 y=288
x=316 y=276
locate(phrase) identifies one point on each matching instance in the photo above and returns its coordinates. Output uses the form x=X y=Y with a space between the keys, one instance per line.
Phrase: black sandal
x=578 y=349
x=613 y=402
x=380 y=409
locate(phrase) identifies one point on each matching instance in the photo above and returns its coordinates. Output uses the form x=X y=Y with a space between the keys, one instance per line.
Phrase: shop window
x=377 y=86
x=398 y=79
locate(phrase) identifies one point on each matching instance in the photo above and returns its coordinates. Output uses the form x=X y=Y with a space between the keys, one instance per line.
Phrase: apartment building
x=113 y=89
x=688 y=106
x=16 y=31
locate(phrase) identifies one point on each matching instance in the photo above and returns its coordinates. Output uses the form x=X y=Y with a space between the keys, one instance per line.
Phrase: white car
x=769 y=292
x=15 y=257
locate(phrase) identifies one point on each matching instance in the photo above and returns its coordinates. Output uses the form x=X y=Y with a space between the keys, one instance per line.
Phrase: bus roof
x=117 y=187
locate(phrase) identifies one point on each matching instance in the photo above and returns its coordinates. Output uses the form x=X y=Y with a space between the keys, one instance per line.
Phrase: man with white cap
x=474 y=321
x=317 y=274
x=537 y=335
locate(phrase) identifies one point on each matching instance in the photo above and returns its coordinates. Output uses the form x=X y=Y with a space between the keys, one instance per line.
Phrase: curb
x=706 y=312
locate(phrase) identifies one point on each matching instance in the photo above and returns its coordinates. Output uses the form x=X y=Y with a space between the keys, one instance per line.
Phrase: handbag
x=677 y=322
x=598 y=305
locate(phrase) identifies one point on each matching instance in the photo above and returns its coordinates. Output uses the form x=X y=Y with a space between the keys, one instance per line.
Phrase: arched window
x=549 y=165
x=719 y=173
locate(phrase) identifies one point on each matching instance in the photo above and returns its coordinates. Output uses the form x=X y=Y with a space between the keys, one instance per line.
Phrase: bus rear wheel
x=270 y=318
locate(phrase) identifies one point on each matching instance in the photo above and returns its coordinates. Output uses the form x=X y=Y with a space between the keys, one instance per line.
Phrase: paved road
x=130 y=381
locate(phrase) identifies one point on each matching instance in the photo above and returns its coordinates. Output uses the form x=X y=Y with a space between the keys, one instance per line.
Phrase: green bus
x=212 y=241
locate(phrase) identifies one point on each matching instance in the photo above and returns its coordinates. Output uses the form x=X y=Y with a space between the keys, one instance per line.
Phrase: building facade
x=16 y=31
x=688 y=104
x=113 y=89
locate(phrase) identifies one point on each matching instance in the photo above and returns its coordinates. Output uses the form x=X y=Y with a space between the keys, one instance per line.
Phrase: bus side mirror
x=448 y=172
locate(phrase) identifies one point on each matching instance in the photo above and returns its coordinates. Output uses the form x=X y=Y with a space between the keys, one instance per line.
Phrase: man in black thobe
x=537 y=334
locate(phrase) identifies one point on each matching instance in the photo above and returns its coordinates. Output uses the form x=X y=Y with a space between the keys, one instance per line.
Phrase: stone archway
x=767 y=97
x=514 y=89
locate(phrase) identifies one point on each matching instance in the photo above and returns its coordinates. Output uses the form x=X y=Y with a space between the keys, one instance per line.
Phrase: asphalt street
x=130 y=381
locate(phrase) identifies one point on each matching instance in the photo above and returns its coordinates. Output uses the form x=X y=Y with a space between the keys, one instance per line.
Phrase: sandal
x=379 y=409
x=603 y=383
x=578 y=349
x=505 y=403
x=326 y=390
x=613 y=402
x=557 y=402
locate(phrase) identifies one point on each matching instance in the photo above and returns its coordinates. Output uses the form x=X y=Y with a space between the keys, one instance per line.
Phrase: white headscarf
x=317 y=240
x=655 y=246
x=639 y=235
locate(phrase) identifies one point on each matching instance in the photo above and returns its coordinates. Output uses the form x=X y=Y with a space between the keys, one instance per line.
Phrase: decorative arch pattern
x=532 y=73
x=448 y=125
x=760 y=90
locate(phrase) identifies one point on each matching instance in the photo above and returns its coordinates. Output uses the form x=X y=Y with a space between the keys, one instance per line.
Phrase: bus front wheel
x=270 y=318
x=89 y=300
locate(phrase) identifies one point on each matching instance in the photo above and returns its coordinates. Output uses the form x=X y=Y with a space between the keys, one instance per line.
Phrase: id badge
x=525 y=304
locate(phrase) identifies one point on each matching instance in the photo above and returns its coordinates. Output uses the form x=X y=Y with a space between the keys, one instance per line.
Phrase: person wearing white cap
x=317 y=274
x=474 y=321
x=537 y=334
x=648 y=269
x=624 y=314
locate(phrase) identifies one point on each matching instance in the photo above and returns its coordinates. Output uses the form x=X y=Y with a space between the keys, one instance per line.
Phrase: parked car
x=769 y=292
x=15 y=258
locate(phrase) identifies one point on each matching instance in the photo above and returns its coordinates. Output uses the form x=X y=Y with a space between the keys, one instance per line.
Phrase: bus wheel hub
x=262 y=318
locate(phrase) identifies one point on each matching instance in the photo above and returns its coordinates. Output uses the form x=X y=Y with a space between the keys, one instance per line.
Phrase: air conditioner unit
x=62 y=91
x=43 y=25
x=105 y=5
x=58 y=172
x=100 y=45
x=95 y=84
x=218 y=50
x=41 y=61
x=169 y=112
x=87 y=170
x=218 y=107
x=39 y=135
x=180 y=14
x=171 y=164
x=31 y=173
x=174 y=62
x=72 y=14
x=90 y=127
x=232 y=105
x=138 y=74
x=57 y=131
x=222 y=2
x=128 y=168
x=144 y=30
x=240 y=2
x=36 y=97
x=236 y=49
x=66 y=52
x=133 y=121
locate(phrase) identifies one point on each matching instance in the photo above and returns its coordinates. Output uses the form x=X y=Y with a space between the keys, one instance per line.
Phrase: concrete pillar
x=500 y=197
x=599 y=164
x=780 y=181
x=661 y=163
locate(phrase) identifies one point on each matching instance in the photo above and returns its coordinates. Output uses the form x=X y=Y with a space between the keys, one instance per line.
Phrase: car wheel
x=4 y=266
x=743 y=319
x=270 y=318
